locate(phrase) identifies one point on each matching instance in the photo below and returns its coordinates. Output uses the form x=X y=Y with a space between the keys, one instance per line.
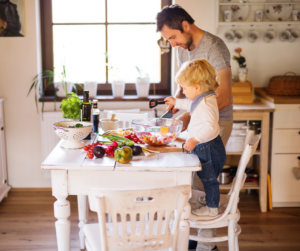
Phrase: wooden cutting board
x=175 y=146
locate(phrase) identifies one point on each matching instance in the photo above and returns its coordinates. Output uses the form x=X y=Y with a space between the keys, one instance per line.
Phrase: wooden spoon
x=113 y=117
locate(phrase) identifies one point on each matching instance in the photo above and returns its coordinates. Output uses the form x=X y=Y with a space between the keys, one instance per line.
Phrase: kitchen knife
x=167 y=115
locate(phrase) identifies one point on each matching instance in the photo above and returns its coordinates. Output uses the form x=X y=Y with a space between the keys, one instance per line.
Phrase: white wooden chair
x=126 y=118
x=229 y=214
x=130 y=228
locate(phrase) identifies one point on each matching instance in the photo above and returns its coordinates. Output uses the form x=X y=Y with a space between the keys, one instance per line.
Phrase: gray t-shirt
x=214 y=50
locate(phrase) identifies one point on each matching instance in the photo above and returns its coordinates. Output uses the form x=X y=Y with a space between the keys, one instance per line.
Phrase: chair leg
x=236 y=244
x=231 y=235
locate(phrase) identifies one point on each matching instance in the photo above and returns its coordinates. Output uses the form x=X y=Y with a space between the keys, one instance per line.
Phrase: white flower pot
x=118 y=88
x=61 y=88
x=92 y=88
x=243 y=74
x=142 y=86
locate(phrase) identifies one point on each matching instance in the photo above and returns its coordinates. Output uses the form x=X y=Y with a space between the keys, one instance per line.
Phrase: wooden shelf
x=259 y=23
x=247 y=185
x=240 y=153
x=264 y=3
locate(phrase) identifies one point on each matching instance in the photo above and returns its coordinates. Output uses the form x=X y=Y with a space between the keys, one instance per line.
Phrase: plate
x=239 y=12
x=278 y=12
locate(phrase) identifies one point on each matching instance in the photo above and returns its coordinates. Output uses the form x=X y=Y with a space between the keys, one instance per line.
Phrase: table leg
x=184 y=229
x=264 y=156
x=62 y=212
x=82 y=214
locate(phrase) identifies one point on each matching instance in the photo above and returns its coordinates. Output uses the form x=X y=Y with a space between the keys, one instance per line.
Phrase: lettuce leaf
x=71 y=106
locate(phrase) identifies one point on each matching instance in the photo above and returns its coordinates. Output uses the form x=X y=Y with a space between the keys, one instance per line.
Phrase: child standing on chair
x=199 y=82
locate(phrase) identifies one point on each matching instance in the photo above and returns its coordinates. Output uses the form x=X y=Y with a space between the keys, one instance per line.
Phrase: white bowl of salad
x=72 y=132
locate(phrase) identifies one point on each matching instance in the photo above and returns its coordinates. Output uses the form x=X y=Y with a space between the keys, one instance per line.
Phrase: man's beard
x=189 y=41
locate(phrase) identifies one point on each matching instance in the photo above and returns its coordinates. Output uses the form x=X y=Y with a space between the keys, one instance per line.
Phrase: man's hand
x=190 y=144
x=185 y=118
x=170 y=102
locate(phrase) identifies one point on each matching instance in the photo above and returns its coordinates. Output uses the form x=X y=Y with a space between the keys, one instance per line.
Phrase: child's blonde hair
x=198 y=71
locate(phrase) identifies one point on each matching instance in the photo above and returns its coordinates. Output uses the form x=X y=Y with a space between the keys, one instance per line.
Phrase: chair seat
x=92 y=233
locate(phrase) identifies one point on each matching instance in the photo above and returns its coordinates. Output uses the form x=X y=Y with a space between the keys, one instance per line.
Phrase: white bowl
x=107 y=124
x=72 y=136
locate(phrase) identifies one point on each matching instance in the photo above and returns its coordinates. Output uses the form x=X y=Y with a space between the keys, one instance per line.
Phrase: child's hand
x=170 y=102
x=190 y=144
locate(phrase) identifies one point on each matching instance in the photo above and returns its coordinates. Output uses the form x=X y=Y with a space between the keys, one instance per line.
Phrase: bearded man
x=178 y=27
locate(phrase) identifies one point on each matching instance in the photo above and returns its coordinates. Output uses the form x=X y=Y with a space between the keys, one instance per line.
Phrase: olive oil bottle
x=86 y=110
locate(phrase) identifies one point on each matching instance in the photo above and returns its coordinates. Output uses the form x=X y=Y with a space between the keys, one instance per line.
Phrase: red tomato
x=85 y=148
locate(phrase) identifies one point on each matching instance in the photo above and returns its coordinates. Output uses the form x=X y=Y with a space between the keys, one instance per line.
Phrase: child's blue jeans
x=212 y=156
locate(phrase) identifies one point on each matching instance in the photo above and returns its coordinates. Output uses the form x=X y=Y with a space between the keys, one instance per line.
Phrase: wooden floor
x=27 y=223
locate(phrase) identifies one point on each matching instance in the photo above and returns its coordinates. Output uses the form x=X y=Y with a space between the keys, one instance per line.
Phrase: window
x=103 y=40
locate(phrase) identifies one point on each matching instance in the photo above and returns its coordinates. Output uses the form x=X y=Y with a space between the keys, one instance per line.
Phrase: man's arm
x=224 y=90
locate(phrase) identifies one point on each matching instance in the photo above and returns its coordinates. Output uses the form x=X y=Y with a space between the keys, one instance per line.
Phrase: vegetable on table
x=127 y=142
x=77 y=125
x=71 y=106
x=123 y=155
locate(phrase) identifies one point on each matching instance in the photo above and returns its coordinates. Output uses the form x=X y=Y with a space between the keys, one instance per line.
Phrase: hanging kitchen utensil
x=164 y=45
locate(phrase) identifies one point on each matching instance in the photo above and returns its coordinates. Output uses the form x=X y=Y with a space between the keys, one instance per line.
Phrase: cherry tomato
x=85 y=148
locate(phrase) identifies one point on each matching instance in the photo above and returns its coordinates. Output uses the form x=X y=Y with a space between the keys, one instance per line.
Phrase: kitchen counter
x=261 y=93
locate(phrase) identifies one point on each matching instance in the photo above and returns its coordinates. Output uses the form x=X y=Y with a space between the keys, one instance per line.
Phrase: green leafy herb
x=71 y=106
x=77 y=125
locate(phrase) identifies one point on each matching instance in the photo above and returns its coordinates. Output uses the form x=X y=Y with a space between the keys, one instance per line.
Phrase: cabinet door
x=287 y=118
x=286 y=141
x=285 y=186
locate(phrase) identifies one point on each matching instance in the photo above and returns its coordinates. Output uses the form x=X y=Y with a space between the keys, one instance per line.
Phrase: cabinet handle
x=298 y=157
x=3 y=129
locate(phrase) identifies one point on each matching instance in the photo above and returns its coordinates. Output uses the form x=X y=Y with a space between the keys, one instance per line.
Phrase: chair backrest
x=238 y=182
x=139 y=224
x=126 y=118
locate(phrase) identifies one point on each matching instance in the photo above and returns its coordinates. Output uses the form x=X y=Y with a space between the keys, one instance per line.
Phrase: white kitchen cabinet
x=285 y=153
x=253 y=6
x=285 y=186
x=4 y=188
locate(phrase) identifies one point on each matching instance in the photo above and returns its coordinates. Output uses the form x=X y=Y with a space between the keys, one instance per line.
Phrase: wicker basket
x=284 y=85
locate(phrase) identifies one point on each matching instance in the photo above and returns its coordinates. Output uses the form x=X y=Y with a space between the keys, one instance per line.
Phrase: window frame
x=162 y=88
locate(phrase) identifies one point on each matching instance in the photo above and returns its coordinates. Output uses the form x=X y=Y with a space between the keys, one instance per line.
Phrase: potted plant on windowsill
x=61 y=89
x=117 y=83
x=142 y=83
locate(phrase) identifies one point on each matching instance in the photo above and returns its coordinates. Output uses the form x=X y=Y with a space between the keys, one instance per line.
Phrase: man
x=178 y=27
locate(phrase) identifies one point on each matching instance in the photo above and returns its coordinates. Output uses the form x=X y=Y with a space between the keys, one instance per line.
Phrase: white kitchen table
x=72 y=173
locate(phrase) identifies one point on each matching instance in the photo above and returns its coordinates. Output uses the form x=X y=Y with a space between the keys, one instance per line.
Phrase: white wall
x=20 y=62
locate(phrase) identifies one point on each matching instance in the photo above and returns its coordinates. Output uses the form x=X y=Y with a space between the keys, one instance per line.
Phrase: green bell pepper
x=123 y=155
